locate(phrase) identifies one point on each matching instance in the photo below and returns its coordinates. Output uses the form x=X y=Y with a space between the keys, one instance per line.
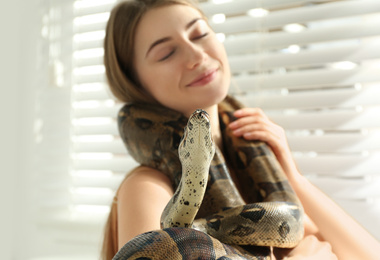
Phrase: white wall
x=8 y=129
x=19 y=24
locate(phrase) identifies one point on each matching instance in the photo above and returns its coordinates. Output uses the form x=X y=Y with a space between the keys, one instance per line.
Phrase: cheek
x=147 y=74
x=159 y=81
x=164 y=76
x=217 y=51
x=222 y=53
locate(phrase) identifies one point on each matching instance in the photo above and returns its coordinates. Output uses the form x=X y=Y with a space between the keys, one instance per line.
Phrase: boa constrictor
x=227 y=225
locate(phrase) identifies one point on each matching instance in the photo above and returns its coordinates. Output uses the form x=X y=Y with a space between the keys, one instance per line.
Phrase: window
x=313 y=66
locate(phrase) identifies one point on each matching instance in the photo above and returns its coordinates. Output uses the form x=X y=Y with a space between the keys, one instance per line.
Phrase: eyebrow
x=165 y=39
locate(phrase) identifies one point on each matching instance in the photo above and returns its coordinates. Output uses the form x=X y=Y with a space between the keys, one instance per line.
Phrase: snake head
x=197 y=143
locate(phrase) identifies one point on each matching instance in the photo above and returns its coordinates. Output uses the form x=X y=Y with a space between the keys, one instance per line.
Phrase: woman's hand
x=253 y=124
x=310 y=248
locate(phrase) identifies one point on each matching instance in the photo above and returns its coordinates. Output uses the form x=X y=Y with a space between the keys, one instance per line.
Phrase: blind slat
x=279 y=40
x=92 y=199
x=100 y=111
x=344 y=97
x=366 y=50
x=98 y=26
x=306 y=79
x=120 y=164
x=107 y=129
x=111 y=182
x=84 y=45
x=339 y=165
x=354 y=189
x=241 y=6
x=89 y=62
x=92 y=78
x=333 y=119
x=100 y=95
x=95 y=9
x=338 y=143
x=115 y=146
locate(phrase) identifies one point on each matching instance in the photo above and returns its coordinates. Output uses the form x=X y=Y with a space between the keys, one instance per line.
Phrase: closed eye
x=167 y=56
x=200 y=36
x=173 y=51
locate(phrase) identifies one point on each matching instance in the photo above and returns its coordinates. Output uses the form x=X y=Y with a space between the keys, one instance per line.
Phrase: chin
x=213 y=99
x=220 y=96
x=206 y=100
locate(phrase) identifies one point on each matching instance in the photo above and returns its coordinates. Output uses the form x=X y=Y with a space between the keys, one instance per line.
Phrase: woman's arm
x=141 y=199
x=349 y=240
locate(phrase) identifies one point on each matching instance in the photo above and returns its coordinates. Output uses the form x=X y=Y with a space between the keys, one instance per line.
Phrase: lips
x=204 y=78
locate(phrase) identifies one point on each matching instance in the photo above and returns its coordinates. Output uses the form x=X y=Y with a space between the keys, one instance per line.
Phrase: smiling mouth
x=204 y=78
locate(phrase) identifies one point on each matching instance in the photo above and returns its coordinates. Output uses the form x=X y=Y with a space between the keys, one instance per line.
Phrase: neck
x=215 y=126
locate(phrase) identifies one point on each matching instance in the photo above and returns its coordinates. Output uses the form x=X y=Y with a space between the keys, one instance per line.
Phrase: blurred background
x=313 y=66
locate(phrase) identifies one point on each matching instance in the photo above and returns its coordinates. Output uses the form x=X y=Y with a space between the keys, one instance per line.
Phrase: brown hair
x=119 y=47
x=122 y=78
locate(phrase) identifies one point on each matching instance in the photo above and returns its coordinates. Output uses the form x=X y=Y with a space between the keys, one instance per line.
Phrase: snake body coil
x=226 y=225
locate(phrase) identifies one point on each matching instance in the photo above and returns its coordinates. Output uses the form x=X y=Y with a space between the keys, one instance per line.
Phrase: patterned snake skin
x=227 y=225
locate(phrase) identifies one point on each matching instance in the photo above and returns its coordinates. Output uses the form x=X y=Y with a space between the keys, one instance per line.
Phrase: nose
x=195 y=55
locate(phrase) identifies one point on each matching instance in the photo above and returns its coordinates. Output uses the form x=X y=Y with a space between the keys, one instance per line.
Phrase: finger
x=249 y=111
x=249 y=124
x=246 y=129
x=245 y=121
x=261 y=136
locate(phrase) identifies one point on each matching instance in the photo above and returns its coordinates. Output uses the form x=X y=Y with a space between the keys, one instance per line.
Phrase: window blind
x=313 y=66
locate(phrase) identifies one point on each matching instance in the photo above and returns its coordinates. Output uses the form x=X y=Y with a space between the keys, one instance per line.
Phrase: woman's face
x=179 y=60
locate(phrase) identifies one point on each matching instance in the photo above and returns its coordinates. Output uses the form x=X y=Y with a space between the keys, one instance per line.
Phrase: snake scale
x=208 y=218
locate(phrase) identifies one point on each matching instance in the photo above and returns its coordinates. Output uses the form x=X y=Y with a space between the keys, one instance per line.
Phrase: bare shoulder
x=142 y=197
x=144 y=189
x=145 y=177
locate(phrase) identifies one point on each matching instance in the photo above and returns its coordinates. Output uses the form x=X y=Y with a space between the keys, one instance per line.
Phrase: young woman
x=163 y=52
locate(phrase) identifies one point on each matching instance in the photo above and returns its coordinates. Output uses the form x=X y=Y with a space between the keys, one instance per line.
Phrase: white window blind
x=313 y=66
